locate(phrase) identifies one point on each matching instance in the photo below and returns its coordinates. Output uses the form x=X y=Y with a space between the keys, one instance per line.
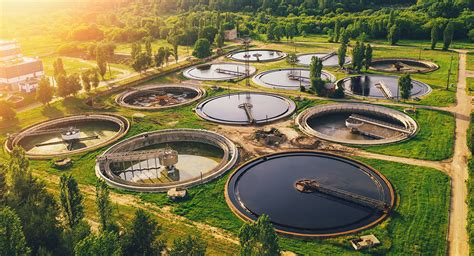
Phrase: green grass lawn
x=75 y=66
x=470 y=187
x=470 y=61
x=470 y=85
x=434 y=140
x=417 y=225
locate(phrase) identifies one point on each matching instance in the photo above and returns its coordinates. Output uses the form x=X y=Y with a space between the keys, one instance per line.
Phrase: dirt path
x=458 y=238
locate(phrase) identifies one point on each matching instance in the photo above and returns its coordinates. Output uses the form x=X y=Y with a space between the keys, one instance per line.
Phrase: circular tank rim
x=256 y=79
x=282 y=56
x=302 y=118
x=221 y=169
x=348 y=59
x=201 y=114
x=185 y=73
x=120 y=120
x=245 y=218
x=431 y=65
x=350 y=93
x=120 y=99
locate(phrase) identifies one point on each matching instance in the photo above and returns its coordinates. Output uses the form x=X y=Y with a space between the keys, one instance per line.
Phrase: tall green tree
x=101 y=59
x=259 y=238
x=94 y=78
x=202 y=48
x=271 y=31
x=45 y=91
x=136 y=49
x=448 y=36
x=141 y=237
x=341 y=55
x=86 y=80
x=73 y=84
x=405 y=85
x=291 y=30
x=160 y=57
x=189 y=245
x=393 y=35
x=337 y=30
x=104 y=244
x=220 y=38
x=58 y=68
x=315 y=67
x=358 y=56
x=12 y=238
x=7 y=112
x=104 y=207
x=70 y=201
x=434 y=36
x=148 y=51
x=368 y=57
x=34 y=205
x=292 y=59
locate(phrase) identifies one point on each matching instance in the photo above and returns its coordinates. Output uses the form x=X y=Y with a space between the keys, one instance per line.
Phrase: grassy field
x=75 y=66
x=418 y=224
x=470 y=61
x=434 y=140
x=470 y=187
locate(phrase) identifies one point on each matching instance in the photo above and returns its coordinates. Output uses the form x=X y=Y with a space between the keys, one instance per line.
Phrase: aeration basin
x=246 y=108
x=156 y=97
x=288 y=78
x=257 y=55
x=310 y=194
x=402 y=65
x=162 y=160
x=219 y=72
x=354 y=123
x=69 y=135
x=380 y=87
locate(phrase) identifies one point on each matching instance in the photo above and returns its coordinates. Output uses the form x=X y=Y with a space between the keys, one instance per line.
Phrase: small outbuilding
x=365 y=242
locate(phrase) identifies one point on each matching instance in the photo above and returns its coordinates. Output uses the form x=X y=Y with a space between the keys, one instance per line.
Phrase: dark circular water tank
x=267 y=186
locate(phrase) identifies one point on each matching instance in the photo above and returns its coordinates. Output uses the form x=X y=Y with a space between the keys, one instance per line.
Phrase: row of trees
x=36 y=223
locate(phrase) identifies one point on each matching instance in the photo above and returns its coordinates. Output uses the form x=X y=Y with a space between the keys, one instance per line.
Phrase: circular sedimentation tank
x=288 y=78
x=310 y=194
x=246 y=108
x=155 y=97
x=402 y=65
x=219 y=72
x=257 y=55
x=161 y=160
x=355 y=123
x=69 y=135
x=380 y=86
x=329 y=59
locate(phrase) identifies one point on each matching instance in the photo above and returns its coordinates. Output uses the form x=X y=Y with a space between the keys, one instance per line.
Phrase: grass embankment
x=434 y=140
x=417 y=225
x=470 y=61
x=470 y=85
x=470 y=187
